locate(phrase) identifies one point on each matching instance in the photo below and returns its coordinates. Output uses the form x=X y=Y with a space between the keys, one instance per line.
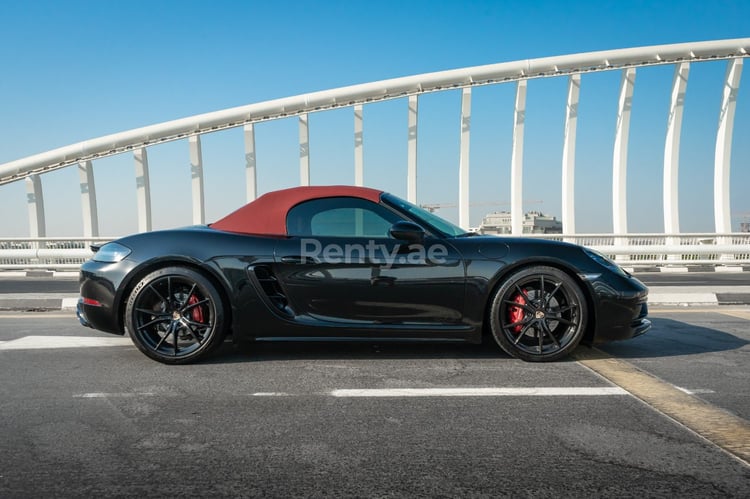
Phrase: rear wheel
x=539 y=314
x=175 y=315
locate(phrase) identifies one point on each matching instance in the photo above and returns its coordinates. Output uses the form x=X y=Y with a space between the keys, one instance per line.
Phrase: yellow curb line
x=740 y=314
x=719 y=427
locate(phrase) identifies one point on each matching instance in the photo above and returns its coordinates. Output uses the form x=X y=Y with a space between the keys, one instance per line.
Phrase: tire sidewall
x=508 y=283
x=206 y=287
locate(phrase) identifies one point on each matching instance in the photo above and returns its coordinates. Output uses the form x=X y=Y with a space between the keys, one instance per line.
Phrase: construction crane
x=433 y=207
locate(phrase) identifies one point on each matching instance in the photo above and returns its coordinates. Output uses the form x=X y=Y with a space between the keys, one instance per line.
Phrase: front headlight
x=605 y=262
x=111 y=253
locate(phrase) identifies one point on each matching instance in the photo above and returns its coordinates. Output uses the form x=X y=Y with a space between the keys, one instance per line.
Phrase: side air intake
x=272 y=289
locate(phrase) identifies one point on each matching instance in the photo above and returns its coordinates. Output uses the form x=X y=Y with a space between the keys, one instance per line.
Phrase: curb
x=683 y=299
x=38 y=303
x=47 y=274
x=699 y=295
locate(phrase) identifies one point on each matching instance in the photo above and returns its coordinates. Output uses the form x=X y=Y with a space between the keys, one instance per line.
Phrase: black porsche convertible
x=353 y=263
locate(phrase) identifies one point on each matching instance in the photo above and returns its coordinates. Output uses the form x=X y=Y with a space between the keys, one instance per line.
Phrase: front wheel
x=539 y=314
x=175 y=315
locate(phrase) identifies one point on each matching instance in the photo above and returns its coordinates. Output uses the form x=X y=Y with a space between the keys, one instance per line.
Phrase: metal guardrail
x=53 y=253
x=644 y=250
x=631 y=250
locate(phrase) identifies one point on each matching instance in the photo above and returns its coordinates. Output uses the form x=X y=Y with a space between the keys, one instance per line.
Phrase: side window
x=339 y=217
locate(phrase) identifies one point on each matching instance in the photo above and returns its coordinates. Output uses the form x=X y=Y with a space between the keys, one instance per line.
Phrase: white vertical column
x=516 y=160
x=723 y=153
x=672 y=149
x=304 y=150
x=196 y=174
x=359 y=160
x=35 y=199
x=251 y=176
x=569 y=155
x=411 y=151
x=88 y=199
x=620 y=155
x=142 y=189
x=463 y=165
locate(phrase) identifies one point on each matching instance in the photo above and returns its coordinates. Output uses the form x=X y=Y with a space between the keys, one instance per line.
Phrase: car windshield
x=433 y=221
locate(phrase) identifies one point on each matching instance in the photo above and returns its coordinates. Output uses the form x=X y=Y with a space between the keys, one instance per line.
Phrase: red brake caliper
x=197 y=312
x=515 y=314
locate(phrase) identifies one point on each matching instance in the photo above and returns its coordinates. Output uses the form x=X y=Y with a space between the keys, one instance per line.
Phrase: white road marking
x=416 y=392
x=55 y=342
x=101 y=395
x=694 y=391
x=481 y=392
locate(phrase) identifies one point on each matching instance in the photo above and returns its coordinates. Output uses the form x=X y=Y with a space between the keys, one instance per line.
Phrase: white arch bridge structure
x=720 y=248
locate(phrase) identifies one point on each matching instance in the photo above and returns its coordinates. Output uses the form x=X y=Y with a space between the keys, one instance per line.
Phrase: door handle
x=382 y=281
x=298 y=260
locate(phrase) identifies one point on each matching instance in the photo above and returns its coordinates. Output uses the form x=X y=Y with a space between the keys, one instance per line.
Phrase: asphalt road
x=80 y=420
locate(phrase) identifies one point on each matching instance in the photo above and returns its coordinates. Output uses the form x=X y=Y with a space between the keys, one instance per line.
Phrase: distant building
x=744 y=226
x=534 y=222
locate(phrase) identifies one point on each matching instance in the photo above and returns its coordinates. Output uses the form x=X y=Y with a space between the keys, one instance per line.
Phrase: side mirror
x=407 y=231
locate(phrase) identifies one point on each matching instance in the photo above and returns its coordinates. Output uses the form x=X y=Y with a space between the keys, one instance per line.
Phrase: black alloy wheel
x=175 y=315
x=539 y=314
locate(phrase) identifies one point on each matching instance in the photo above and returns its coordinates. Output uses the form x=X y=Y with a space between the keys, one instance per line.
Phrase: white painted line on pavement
x=694 y=391
x=481 y=392
x=54 y=342
x=101 y=395
x=417 y=392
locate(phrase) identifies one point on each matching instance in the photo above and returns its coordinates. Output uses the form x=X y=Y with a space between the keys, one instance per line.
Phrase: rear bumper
x=81 y=314
x=98 y=284
x=97 y=317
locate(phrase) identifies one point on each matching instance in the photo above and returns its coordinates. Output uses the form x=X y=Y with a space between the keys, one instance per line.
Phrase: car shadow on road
x=670 y=338
x=667 y=338
x=352 y=350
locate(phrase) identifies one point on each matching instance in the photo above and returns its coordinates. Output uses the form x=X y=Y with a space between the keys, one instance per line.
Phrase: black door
x=341 y=265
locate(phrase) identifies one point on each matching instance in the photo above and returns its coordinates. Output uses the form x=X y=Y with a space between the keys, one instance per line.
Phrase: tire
x=539 y=314
x=175 y=315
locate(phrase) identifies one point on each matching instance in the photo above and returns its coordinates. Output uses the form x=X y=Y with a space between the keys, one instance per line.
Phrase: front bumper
x=621 y=308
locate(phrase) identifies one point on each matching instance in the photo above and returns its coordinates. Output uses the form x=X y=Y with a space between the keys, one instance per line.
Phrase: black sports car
x=352 y=263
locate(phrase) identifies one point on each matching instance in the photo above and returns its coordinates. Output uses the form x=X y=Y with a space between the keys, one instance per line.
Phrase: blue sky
x=78 y=70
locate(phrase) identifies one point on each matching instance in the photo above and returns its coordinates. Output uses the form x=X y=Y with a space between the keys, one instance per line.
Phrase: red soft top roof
x=267 y=214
